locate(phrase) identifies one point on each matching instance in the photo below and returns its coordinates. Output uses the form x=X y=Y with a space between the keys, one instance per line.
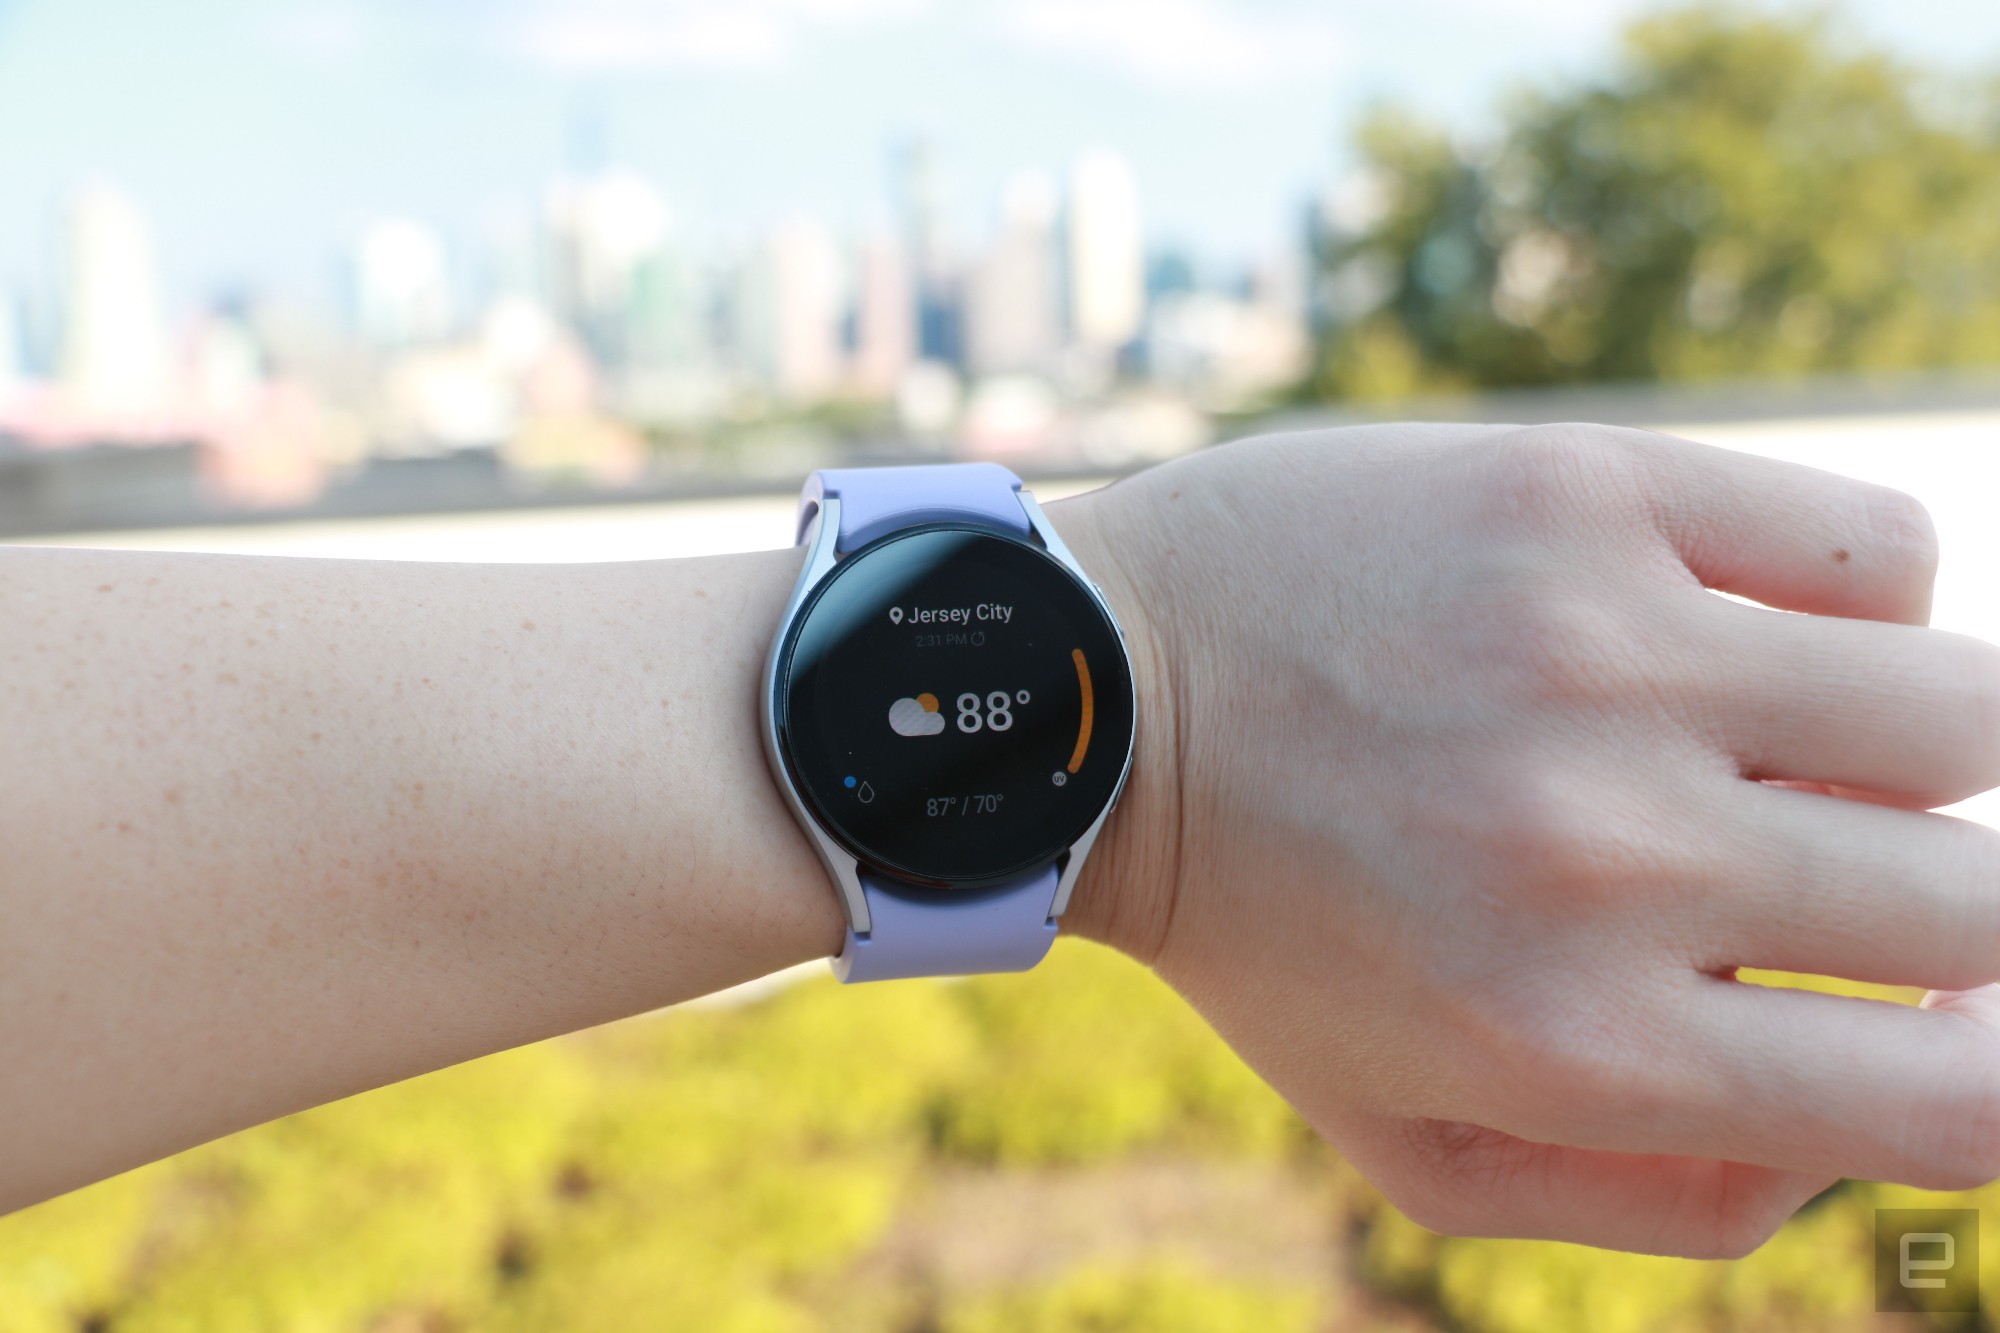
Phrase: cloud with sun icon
x=916 y=717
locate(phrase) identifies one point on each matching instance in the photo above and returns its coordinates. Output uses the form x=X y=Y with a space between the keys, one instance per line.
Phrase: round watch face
x=954 y=705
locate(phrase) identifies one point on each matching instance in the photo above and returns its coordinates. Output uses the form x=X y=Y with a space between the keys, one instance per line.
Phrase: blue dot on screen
x=850 y=782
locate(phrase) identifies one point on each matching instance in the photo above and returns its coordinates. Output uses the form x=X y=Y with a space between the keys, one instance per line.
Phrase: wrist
x=1129 y=887
x=632 y=706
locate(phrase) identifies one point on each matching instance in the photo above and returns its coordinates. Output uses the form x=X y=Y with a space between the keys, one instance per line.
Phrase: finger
x=1886 y=708
x=1465 y=1180
x=1845 y=889
x=1798 y=1081
x=1791 y=536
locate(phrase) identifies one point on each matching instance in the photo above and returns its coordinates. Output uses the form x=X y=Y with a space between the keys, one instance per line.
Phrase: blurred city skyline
x=600 y=348
x=349 y=254
x=261 y=139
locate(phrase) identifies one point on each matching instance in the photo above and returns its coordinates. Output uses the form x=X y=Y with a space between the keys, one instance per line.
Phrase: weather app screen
x=955 y=705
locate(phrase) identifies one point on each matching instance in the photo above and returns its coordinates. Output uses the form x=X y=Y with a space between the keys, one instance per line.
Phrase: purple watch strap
x=928 y=933
x=876 y=501
x=916 y=932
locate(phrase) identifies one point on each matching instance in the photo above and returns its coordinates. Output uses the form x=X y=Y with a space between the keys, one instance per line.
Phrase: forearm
x=279 y=830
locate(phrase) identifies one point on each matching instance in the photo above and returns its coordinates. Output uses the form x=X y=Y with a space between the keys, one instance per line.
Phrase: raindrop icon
x=895 y=615
x=865 y=794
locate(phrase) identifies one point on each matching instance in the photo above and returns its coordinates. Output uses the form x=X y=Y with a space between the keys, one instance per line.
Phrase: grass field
x=1067 y=1152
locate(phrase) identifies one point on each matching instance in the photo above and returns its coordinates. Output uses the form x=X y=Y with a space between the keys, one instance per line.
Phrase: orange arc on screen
x=928 y=702
x=1083 y=727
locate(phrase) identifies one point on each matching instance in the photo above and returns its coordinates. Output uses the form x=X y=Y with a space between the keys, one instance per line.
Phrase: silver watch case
x=821 y=534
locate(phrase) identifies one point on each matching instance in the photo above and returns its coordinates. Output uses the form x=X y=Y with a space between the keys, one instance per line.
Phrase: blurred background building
x=614 y=347
x=484 y=299
x=114 y=352
x=618 y=253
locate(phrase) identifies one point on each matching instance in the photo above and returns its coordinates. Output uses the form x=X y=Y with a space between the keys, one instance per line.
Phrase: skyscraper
x=13 y=354
x=1013 y=321
x=670 y=370
x=603 y=229
x=668 y=316
x=885 y=314
x=114 y=348
x=398 y=284
x=788 y=312
x=939 y=333
x=225 y=366
x=1105 y=253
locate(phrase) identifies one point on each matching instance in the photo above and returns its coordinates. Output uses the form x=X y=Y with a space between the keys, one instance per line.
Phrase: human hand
x=1460 y=799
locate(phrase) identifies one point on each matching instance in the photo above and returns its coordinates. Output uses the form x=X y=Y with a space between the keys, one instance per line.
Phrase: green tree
x=1740 y=196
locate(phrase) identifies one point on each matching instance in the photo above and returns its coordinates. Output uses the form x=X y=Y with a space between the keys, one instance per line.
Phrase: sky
x=257 y=137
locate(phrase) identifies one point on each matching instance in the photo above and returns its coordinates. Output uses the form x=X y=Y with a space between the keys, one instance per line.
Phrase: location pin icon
x=895 y=615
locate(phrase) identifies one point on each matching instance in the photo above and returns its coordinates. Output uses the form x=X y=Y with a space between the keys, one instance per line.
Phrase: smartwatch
x=948 y=708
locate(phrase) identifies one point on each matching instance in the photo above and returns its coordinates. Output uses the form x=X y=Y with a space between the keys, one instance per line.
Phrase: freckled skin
x=370 y=842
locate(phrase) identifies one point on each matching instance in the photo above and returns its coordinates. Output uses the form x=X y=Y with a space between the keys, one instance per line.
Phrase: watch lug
x=821 y=535
x=845 y=872
x=1080 y=849
x=1051 y=541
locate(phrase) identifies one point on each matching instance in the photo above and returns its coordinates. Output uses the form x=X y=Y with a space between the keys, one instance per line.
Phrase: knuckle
x=1545 y=473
